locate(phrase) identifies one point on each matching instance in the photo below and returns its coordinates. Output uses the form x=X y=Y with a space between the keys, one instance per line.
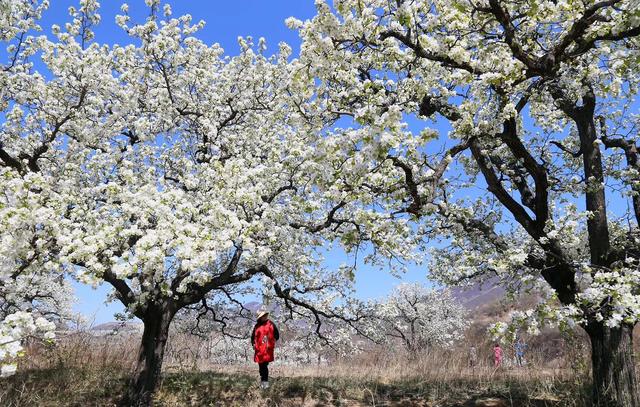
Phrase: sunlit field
x=91 y=367
x=83 y=370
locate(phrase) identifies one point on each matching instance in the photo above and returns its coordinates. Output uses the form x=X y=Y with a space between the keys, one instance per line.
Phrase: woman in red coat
x=497 y=355
x=263 y=339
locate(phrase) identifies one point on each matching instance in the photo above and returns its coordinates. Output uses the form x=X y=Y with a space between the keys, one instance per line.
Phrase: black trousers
x=264 y=371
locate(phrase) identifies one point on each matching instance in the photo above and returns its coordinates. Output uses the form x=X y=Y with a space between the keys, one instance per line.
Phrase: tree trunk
x=614 y=378
x=146 y=376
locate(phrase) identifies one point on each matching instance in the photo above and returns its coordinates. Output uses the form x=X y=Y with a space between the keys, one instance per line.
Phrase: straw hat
x=262 y=313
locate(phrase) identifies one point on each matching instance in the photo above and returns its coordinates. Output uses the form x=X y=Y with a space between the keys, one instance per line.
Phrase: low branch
x=330 y=220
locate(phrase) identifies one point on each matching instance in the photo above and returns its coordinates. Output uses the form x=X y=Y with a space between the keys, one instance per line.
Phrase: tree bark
x=596 y=201
x=614 y=378
x=146 y=376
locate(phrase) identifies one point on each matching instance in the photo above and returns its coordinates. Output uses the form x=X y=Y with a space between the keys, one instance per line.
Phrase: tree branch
x=497 y=189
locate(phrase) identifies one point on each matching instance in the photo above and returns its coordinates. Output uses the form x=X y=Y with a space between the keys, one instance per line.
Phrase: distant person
x=263 y=339
x=497 y=355
x=520 y=348
x=473 y=356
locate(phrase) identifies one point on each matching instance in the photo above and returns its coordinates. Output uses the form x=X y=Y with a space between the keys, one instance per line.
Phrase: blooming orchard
x=175 y=173
x=528 y=149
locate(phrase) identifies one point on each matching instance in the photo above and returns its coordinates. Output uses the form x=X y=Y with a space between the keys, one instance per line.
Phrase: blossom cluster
x=14 y=329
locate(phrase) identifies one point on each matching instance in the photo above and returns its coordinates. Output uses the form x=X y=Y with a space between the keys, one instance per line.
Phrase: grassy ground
x=91 y=387
x=84 y=370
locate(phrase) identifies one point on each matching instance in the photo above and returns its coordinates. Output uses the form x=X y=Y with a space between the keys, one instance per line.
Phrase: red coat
x=264 y=342
x=497 y=356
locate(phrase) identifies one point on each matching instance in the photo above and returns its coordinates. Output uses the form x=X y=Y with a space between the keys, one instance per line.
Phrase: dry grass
x=81 y=370
x=91 y=387
x=86 y=370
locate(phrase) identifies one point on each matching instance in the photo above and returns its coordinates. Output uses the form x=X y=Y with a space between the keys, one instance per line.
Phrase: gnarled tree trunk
x=614 y=379
x=146 y=376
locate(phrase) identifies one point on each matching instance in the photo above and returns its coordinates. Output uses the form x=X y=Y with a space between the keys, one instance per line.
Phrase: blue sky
x=225 y=22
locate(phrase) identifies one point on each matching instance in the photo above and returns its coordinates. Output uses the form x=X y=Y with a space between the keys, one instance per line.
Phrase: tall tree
x=528 y=153
x=180 y=174
x=419 y=318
